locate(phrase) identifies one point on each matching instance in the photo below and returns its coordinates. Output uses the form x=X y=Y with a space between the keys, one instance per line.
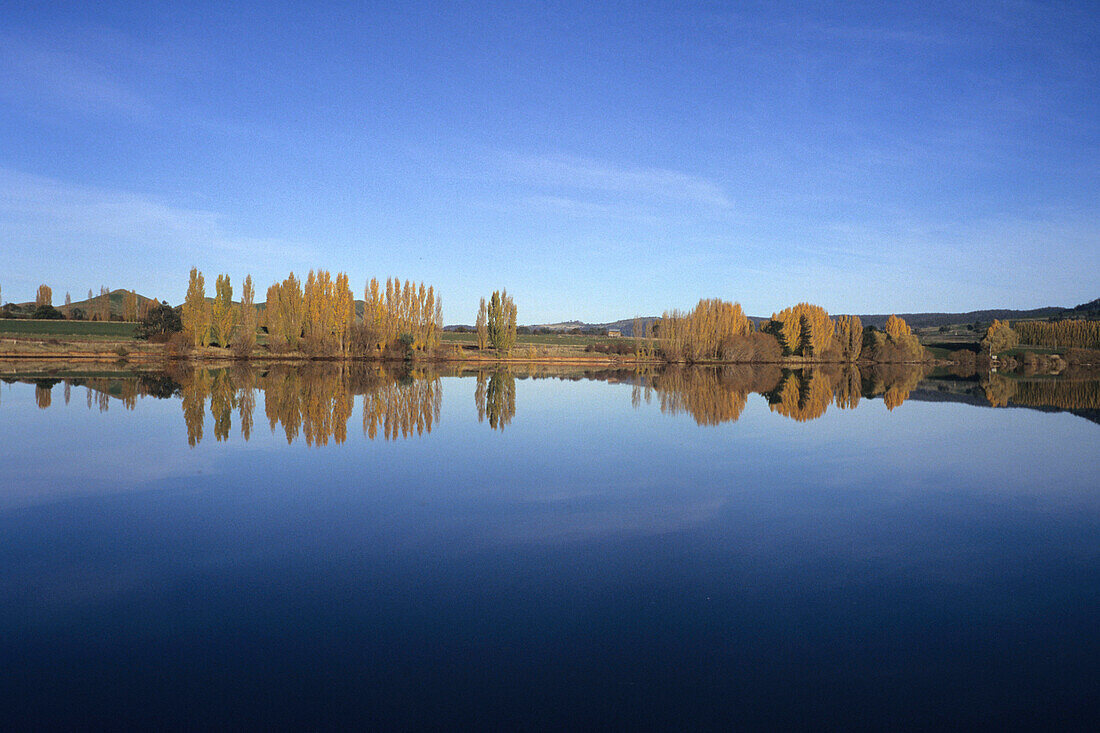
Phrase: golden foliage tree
x=244 y=338
x=44 y=296
x=502 y=321
x=703 y=332
x=482 y=326
x=848 y=334
x=196 y=313
x=130 y=307
x=999 y=337
x=803 y=330
x=284 y=313
x=896 y=328
x=104 y=303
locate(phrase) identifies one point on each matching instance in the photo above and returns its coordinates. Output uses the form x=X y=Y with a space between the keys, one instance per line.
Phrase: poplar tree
x=245 y=338
x=221 y=312
x=104 y=303
x=44 y=296
x=130 y=310
x=482 y=326
x=849 y=336
x=68 y=305
x=502 y=321
x=195 y=316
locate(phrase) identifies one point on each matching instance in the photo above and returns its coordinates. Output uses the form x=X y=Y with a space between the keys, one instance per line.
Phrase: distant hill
x=917 y=320
x=117 y=298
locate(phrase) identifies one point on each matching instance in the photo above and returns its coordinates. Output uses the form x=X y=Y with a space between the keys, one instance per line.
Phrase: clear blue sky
x=599 y=160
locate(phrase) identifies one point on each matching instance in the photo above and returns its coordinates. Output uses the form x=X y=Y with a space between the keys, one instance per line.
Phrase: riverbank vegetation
x=320 y=318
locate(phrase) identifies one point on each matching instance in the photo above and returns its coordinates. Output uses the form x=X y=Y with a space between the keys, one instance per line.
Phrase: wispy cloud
x=39 y=73
x=565 y=173
x=85 y=232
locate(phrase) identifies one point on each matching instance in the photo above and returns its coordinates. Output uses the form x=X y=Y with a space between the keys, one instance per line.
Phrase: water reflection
x=316 y=401
x=495 y=397
x=719 y=395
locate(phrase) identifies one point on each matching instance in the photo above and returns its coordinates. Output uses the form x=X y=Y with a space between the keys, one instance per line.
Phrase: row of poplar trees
x=318 y=316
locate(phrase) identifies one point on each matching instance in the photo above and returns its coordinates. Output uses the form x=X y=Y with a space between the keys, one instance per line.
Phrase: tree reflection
x=717 y=395
x=315 y=401
x=495 y=397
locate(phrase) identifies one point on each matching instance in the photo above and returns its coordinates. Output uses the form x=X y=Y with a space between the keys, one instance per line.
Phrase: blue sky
x=599 y=160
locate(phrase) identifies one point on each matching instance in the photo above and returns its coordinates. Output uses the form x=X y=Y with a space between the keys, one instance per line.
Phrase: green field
x=109 y=329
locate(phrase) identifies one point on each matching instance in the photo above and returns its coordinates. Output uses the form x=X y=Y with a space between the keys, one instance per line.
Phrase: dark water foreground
x=323 y=547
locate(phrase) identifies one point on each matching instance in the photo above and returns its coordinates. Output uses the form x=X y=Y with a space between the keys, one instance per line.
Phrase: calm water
x=732 y=548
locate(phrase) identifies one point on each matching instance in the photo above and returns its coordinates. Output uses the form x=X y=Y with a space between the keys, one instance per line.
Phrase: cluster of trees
x=716 y=330
x=802 y=330
x=703 y=332
x=406 y=313
x=496 y=322
x=318 y=317
x=895 y=343
x=999 y=337
x=207 y=322
x=1060 y=334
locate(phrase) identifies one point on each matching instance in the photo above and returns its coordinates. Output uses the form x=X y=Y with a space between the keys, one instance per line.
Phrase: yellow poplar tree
x=195 y=316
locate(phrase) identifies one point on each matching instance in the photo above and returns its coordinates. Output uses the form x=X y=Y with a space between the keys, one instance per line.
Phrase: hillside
x=916 y=320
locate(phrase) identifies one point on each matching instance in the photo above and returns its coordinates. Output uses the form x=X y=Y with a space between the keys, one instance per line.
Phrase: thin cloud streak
x=87 y=229
x=653 y=184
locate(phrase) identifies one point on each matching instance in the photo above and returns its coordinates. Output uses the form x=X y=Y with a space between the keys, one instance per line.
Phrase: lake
x=327 y=547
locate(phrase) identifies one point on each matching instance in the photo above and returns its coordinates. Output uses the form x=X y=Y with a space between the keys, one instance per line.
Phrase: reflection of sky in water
x=590 y=546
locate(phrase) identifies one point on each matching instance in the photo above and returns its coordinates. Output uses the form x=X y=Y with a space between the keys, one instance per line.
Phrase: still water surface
x=322 y=548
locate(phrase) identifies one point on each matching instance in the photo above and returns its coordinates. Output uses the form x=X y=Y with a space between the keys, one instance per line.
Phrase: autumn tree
x=1000 y=337
x=130 y=307
x=196 y=314
x=896 y=343
x=482 y=326
x=68 y=305
x=502 y=321
x=103 y=304
x=810 y=337
x=44 y=296
x=703 y=332
x=344 y=308
x=896 y=328
x=244 y=338
x=848 y=334
x=284 y=313
x=222 y=313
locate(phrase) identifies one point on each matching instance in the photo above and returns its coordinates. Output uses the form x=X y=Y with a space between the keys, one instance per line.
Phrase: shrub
x=47 y=312
x=160 y=322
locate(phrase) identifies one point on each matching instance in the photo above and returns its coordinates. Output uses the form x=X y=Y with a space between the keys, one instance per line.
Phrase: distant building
x=614 y=333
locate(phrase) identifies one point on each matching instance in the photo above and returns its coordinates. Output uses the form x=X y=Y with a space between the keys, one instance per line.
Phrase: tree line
x=1059 y=334
x=717 y=330
x=318 y=317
